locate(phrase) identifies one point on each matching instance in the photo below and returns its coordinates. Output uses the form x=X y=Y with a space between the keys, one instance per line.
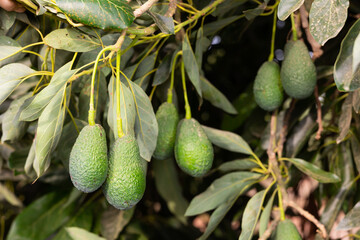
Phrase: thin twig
x=309 y=217
x=319 y=115
x=316 y=47
x=143 y=8
x=172 y=8
x=270 y=229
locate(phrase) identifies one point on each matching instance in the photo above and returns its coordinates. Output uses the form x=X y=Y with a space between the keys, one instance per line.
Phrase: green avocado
x=286 y=230
x=193 y=151
x=88 y=162
x=126 y=180
x=268 y=91
x=168 y=119
x=298 y=72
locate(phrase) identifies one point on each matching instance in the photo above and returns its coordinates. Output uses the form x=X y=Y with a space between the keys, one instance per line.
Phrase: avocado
x=268 y=91
x=193 y=151
x=88 y=162
x=126 y=180
x=298 y=72
x=286 y=230
x=168 y=119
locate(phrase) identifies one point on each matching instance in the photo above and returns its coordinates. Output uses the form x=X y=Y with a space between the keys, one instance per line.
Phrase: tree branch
x=143 y=8
x=270 y=229
x=319 y=115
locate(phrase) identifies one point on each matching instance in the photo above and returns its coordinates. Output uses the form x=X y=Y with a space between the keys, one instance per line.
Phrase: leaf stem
x=91 y=117
x=21 y=49
x=272 y=47
x=170 y=90
x=118 y=108
x=282 y=211
x=293 y=27
x=187 y=106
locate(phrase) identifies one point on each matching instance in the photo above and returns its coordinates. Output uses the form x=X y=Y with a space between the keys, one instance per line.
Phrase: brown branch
x=270 y=229
x=143 y=8
x=172 y=8
x=316 y=47
x=309 y=217
x=319 y=115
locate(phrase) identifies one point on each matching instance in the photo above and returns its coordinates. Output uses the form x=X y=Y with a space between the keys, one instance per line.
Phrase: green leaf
x=48 y=132
x=286 y=7
x=226 y=6
x=113 y=222
x=33 y=223
x=265 y=215
x=81 y=234
x=9 y=196
x=220 y=190
x=28 y=167
x=351 y=220
x=107 y=14
x=72 y=40
x=346 y=78
x=355 y=147
x=191 y=66
x=215 y=26
x=9 y=46
x=143 y=69
x=227 y=140
x=7 y=19
x=127 y=109
x=12 y=128
x=169 y=187
x=216 y=97
x=253 y=13
x=314 y=171
x=163 y=71
x=217 y=216
x=42 y=99
x=164 y=23
x=202 y=44
x=239 y=164
x=251 y=215
x=11 y=76
x=345 y=118
x=146 y=127
x=17 y=158
x=356 y=54
x=326 y=22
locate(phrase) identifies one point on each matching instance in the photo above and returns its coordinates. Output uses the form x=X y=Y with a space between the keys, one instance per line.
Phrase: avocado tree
x=175 y=119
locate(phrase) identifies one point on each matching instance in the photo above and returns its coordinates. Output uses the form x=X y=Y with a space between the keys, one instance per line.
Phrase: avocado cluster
x=123 y=173
x=297 y=77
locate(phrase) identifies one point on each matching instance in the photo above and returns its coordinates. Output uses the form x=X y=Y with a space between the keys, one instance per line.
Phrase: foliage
x=67 y=64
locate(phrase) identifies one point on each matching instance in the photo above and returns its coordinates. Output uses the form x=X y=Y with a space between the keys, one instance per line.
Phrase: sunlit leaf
x=216 y=97
x=191 y=66
x=72 y=40
x=314 y=171
x=345 y=118
x=81 y=234
x=169 y=187
x=221 y=190
x=107 y=14
x=11 y=76
x=286 y=7
x=326 y=22
x=346 y=78
x=227 y=140
x=238 y=164
x=251 y=215
x=113 y=221
x=351 y=220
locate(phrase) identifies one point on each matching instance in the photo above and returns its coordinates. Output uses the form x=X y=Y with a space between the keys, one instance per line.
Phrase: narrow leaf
x=265 y=215
x=355 y=147
x=58 y=81
x=191 y=66
x=239 y=164
x=251 y=215
x=216 y=97
x=215 y=26
x=11 y=77
x=113 y=222
x=326 y=22
x=108 y=14
x=9 y=196
x=227 y=140
x=346 y=78
x=81 y=234
x=163 y=71
x=356 y=54
x=314 y=171
x=286 y=7
x=202 y=44
x=165 y=24
x=345 y=118
x=221 y=190
x=253 y=13
x=351 y=220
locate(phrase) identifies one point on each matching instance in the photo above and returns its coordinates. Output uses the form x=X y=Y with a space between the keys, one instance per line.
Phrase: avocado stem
x=272 y=47
x=293 y=27
x=118 y=107
x=281 y=207
x=187 y=106
x=91 y=116
x=170 y=95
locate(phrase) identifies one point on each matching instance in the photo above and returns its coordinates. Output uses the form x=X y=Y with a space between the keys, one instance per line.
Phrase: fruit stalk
x=118 y=108
x=187 y=106
x=293 y=27
x=272 y=47
x=169 y=95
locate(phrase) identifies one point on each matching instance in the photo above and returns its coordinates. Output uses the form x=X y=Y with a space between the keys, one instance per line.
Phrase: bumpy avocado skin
x=88 y=162
x=168 y=119
x=286 y=230
x=125 y=184
x=268 y=90
x=298 y=72
x=193 y=151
